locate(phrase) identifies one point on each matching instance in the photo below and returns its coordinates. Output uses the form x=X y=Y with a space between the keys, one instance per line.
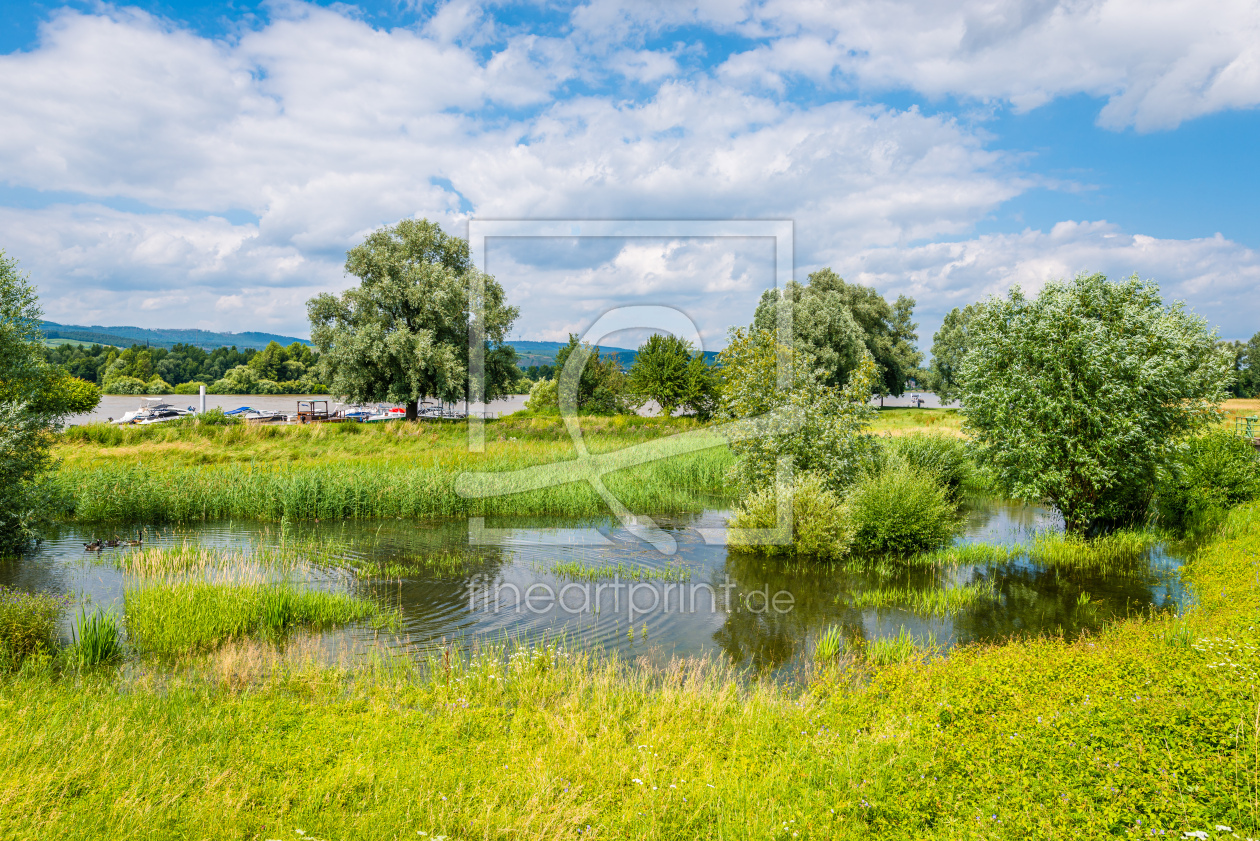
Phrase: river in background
x=708 y=600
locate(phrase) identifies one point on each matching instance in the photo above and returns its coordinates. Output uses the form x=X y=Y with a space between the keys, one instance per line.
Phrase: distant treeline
x=184 y=368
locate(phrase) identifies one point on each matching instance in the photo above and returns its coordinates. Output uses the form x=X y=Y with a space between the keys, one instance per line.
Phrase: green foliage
x=943 y=457
x=97 y=640
x=818 y=427
x=597 y=387
x=543 y=398
x=35 y=398
x=900 y=510
x=1210 y=475
x=403 y=333
x=834 y=323
x=28 y=625
x=949 y=347
x=174 y=617
x=668 y=369
x=821 y=525
x=1079 y=396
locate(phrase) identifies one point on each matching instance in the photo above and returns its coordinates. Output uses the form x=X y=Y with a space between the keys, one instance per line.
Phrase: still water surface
x=712 y=601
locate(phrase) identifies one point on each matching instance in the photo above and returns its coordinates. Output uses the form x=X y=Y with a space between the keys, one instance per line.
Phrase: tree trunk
x=411 y=410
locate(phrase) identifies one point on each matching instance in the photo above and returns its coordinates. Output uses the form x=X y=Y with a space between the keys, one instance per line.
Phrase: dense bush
x=1213 y=473
x=820 y=521
x=900 y=509
x=943 y=457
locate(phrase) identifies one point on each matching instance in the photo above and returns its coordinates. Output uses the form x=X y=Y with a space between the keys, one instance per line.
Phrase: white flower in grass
x=1223 y=828
x=1200 y=834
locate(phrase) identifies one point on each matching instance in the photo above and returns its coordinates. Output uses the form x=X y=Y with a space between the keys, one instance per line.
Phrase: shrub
x=820 y=521
x=543 y=397
x=943 y=457
x=188 y=388
x=28 y=625
x=900 y=509
x=1213 y=473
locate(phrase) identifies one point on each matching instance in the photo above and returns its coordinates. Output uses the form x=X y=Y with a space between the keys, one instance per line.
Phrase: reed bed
x=582 y=571
x=967 y=554
x=931 y=602
x=118 y=492
x=1112 y=553
x=440 y=563
x=172 y=617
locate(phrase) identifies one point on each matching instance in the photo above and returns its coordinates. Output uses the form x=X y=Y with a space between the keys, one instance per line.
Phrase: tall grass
x=179 y=616
x=28 y=625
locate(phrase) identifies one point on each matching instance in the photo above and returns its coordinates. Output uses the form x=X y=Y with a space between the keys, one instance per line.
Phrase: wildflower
x=637 y=780
x=1200 y=834
x=1223 y=828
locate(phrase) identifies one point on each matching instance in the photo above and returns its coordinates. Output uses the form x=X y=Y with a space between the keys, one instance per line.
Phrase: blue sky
x=207 y=164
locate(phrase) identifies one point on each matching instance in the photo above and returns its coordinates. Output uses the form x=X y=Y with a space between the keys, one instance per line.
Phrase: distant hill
x=544 y=353
x=528 y=353
x=128 y=336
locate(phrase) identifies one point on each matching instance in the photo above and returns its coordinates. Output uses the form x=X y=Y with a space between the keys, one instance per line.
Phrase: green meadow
x=1151 y=725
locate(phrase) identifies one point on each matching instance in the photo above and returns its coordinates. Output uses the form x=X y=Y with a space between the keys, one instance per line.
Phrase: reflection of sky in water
x=440 y=608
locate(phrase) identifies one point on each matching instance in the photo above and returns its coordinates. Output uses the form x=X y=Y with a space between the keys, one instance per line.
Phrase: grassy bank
x=1154 y=724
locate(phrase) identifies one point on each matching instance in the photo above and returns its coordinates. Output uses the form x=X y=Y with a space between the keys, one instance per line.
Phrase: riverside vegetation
x=1150 y=725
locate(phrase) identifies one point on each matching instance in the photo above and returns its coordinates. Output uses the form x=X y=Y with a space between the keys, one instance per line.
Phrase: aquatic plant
x=178 y=616
x=829 y=644
x=97 y=639
x=582 y=571
x=967 y=554
x=1122 y=550
x=927 y=602
x=886 y=651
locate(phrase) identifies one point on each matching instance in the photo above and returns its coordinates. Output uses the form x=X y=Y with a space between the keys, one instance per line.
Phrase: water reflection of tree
x=1036 y=599
x=1029 y=600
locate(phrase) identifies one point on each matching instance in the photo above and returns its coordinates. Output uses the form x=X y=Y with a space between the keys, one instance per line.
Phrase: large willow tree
x=403 y=333
x=1078 y=396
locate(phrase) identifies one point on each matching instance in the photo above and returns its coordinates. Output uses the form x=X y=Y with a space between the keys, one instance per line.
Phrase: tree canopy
x=834 y=322
x=403 y=333
x=35 y=397
x=1079 y=395
x=949 y=347
x=669 y=370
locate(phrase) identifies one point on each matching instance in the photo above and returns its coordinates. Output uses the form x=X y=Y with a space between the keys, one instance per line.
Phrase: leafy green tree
x=601 y=385
x=670 y=371
x=821 y=427
x=403 y=333
x=1249 y=375
x=834 y=322
x=949 y=347
x=1080 y=395
x=35 y=398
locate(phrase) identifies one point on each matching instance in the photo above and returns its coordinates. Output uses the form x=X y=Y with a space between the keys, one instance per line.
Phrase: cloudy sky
x=207 y=164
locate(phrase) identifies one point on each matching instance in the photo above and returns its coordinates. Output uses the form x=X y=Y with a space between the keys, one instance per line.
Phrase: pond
x=532 y=580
